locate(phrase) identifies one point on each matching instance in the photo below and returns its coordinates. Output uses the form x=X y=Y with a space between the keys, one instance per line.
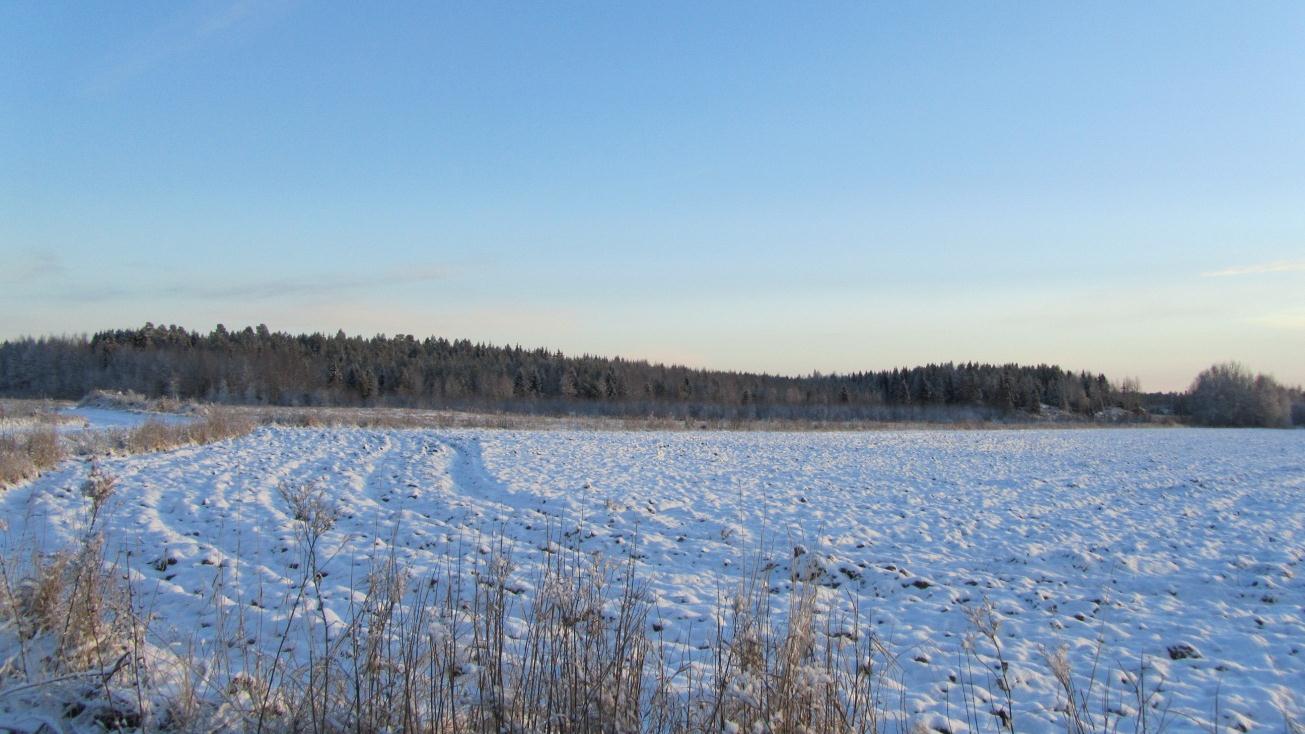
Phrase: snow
x=78 y=419
x=99 y=419
x=1178 y=550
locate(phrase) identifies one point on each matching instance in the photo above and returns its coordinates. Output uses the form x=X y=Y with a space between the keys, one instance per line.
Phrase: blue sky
x=764 y=186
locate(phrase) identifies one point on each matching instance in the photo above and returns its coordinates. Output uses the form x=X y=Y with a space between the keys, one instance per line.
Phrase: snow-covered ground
x=76 y=419
x=1147 y=539
x=98 y=419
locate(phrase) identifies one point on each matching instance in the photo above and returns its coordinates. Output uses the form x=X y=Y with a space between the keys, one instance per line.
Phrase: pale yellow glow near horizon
x=1163 y=336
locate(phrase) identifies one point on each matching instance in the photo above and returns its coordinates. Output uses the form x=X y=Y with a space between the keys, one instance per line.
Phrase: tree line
x=1229 y=395
x=257 y=366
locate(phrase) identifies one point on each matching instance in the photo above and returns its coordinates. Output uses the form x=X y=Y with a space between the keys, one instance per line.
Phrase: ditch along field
x=330 y=579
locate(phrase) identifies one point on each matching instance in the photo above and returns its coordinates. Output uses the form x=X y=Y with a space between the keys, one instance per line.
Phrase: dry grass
x=158 y=435
x=441 y=653
x=402 y=418
x=132 y=401
x=71 y=597
x=20 y=408
x=15 y=463
x=25 y=455
x=35 y=445
x=66 y=618
x=155 y=435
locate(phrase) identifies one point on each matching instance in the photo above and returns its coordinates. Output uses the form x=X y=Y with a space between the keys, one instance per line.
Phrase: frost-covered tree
x=258 y=365
x=1229 y=395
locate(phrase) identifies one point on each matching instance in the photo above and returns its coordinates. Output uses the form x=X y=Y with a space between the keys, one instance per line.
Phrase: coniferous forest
x=260 y=367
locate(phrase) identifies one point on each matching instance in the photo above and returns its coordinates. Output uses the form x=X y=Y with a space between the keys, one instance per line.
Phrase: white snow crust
x=1127 y=541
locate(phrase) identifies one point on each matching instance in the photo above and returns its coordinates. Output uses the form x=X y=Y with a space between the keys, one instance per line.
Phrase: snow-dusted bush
x=134 y=401
x=1229 y=395
x=68 y=635
x=152 y=435
x=26 y=454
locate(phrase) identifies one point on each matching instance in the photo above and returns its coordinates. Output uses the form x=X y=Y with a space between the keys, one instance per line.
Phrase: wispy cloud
x=184 y=33
x=1280 y=266
x=266 y=289
x=32 y=266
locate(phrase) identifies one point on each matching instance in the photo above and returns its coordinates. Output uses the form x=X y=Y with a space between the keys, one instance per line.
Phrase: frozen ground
x=98 y=419
x=76 y=419
x=1147 y=539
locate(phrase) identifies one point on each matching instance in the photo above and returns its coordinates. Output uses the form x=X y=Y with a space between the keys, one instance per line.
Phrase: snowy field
x=102 y=419
x=78 y=419
x=1179 y=550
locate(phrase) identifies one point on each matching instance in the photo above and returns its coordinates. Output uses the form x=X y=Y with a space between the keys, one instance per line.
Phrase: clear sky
x=776 y=187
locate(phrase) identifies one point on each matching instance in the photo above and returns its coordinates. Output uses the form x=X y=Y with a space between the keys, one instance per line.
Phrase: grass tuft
x=25 y=455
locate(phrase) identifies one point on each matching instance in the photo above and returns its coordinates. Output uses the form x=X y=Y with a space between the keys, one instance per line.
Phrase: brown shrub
x=219 y=426
x=15 y=464
x=74 y=600
x=25 y=455
x=159 y=436
x=44 y=448
x=152 y=435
